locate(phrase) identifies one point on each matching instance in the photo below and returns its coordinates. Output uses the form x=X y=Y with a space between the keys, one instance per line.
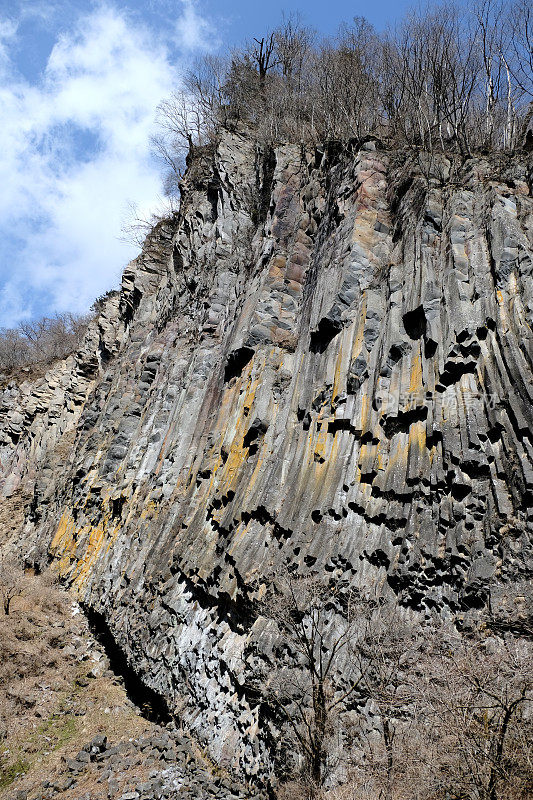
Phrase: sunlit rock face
x=324 y=361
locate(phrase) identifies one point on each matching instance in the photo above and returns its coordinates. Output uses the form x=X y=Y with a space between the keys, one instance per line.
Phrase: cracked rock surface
x=324 y=360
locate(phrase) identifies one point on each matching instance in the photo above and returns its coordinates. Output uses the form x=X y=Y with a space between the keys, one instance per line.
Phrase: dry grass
x=49 y=706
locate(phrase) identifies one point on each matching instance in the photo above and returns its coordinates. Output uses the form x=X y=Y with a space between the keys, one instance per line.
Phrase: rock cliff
x=322 y=362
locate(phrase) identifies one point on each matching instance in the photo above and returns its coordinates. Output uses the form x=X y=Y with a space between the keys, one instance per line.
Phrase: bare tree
x=477 y=705
x=54 y=337
x=136 y=225
x=313 y=676
x=41 y=341
x=14 y=349
x=12 y=583
x=443 y=80
x=388 y=644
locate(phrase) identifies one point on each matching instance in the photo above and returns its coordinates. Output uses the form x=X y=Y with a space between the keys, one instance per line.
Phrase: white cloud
x=194 y=32
x=74 y=149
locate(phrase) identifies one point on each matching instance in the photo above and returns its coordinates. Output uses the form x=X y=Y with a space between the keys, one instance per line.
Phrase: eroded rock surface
x=324 y=360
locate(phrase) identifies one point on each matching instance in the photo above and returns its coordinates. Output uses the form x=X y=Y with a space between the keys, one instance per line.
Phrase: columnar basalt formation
x=325 y=361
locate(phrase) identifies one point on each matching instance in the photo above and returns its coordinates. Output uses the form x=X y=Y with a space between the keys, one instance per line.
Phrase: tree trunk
x=388 y=735
x=319 y=710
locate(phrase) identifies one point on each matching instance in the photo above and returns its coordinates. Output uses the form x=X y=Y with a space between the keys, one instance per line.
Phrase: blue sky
x=80 y=82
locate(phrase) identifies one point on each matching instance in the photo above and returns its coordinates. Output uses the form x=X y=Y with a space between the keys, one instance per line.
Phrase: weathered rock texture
x=324 y=360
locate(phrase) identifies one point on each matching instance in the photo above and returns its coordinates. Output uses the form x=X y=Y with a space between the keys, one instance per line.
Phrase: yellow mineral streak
x=150 y=510
x=69 y=540
x=339 y=374
x=417 y=435
x=365 y=412
x=358 y=343
x=322 y=441
x=379 y=456
x=63 y=546
x=415 y=385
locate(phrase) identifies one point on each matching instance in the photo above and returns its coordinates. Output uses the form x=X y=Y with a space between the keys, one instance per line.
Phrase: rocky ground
x=68 y=727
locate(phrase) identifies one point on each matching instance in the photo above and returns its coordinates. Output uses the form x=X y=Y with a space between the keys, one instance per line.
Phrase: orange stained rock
x=322 y=441
x=63 y=546
x=277 y=267
x=416 y=383
x=67 y=540
x=417 y=435
x=358 y=341
x=365 y=412
x=338 y=378
x=150 y=510
x=238 y=454
x=399 y=450
x=97 y=538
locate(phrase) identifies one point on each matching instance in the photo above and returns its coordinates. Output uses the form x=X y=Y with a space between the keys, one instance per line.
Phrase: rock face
x=324 y=360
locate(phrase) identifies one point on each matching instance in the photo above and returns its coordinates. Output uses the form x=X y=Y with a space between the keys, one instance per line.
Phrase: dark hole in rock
x=256 y=429
x=404 y=420
x=474 y=600
x=326 y=331
x=430 y=347
x=495 y=433
x=265 y=184
x=472 y=349
x=395 y=353
x=476 y=469
x=117 y=504
x=433 y=439
x=237 y=360
x=340 y=424
x=378 y=558
x=460 y=491
x=368 y=477
x=228 y=497
x=414 y=323
x=368 y=438
x=212 y=196
x=153 y=705
x=177 y=259
x=316 y=515
x=453 y=372
x=129 y=305
x=105 y=353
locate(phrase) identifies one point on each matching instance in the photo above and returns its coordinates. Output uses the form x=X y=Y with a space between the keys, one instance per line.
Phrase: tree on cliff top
x=444 y=79
x=41 y=341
